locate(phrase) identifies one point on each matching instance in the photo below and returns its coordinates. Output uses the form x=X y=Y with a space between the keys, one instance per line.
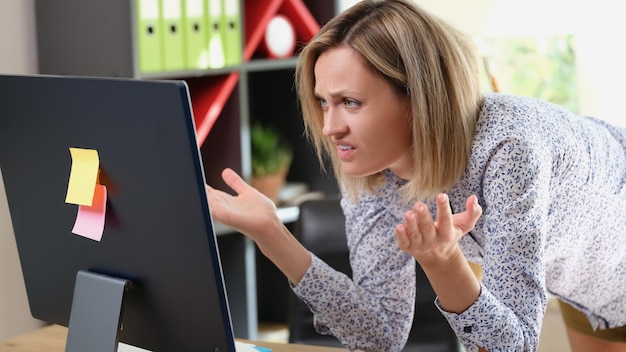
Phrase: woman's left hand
x=432 y=242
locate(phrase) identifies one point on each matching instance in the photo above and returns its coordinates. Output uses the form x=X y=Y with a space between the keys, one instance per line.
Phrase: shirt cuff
x=476 y=323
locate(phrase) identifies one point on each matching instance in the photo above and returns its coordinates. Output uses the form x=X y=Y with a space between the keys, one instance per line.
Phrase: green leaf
x=270 y=154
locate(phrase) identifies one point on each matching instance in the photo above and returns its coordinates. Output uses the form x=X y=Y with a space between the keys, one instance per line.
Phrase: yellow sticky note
x=83 y=176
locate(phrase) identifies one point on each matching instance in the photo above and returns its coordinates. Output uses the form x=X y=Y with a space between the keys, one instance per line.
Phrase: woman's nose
x=333 y=123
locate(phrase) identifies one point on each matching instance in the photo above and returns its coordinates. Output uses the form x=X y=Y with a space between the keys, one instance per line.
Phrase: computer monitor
x=157 y=261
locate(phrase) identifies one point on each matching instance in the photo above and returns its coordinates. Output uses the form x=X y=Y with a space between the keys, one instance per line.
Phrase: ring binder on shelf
x=216 y=48
x=231 y=22
x=173 y=38
x=195 y=33
x=148 y=27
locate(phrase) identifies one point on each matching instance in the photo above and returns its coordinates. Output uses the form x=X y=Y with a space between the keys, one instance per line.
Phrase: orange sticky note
x=90 y=219
x=83 y=176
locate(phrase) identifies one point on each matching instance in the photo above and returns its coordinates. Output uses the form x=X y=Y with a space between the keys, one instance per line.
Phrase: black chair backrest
x=321 y=229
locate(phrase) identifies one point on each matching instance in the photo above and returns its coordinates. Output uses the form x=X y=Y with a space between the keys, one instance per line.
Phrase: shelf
x=210 y=95
x=189 y=73
x=257 y=65
x=208 y=99
x=285 y=214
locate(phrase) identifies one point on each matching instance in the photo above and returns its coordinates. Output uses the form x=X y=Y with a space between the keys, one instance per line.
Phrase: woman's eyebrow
x=339 y=93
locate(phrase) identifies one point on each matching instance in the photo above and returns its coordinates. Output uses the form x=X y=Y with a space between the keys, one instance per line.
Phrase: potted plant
x=271 y=158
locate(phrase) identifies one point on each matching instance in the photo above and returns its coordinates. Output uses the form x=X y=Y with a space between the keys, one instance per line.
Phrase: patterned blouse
x=552 y=186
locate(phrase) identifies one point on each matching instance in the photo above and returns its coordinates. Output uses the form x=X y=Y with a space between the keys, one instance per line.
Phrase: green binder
x=173 y=35
x=195 y=33
x=148 y=27
x=231 y=23
x=216 y=49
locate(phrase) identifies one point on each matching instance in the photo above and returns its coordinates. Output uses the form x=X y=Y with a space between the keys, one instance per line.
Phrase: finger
x=444 y=213
x=466 y=220
x=210 y=190
x=215 y=194
x=425 y=223
x=210 y=193
x=410 y=224
x=472 y=204
x=234 y=181
x=402 y=238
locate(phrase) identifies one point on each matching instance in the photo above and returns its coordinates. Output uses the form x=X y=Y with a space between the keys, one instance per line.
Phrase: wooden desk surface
x=52 y=339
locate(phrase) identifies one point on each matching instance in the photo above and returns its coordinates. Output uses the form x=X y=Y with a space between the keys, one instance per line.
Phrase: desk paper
x=90 y=219
x=83 y=176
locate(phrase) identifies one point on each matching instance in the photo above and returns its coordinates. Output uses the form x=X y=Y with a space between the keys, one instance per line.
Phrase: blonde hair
x=423 y=58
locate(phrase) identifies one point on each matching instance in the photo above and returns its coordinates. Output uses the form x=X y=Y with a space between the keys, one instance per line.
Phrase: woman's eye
x=322 y=102
x=350 y=103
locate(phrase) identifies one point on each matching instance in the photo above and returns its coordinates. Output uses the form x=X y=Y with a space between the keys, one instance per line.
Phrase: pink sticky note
x=90 y=219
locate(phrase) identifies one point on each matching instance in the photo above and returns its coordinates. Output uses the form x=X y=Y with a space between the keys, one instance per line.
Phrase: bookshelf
x=99 y=38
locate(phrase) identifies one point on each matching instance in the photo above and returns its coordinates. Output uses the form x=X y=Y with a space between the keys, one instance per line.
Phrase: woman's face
x=365 y=117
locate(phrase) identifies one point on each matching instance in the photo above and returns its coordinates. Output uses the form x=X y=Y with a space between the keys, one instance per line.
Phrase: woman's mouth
x=345 y=151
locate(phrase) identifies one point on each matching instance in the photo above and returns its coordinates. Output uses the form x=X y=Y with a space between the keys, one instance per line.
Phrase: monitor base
x=96 y=312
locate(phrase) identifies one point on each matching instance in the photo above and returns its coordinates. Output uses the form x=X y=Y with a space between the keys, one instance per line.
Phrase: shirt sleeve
x=507 y=315
x=372 y=311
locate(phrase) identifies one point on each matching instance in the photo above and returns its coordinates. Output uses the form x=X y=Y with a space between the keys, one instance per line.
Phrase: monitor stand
x=96 y=312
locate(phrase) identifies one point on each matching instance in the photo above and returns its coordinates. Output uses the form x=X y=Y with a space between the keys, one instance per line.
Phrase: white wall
x=18 y=48
x=597 y=26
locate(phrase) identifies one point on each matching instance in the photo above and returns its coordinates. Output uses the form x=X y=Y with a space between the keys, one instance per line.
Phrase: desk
x=52 y=339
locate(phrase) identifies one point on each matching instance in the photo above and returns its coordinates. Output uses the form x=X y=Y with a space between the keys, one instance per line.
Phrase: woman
x=533 y=193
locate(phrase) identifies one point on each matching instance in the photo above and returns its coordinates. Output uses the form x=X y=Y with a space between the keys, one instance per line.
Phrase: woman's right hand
x=249 y=211
x=254 y=215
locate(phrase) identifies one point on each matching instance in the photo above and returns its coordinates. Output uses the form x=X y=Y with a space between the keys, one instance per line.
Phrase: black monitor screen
x=146 y=219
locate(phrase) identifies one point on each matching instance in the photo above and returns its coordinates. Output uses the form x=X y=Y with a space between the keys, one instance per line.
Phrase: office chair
x=321 y=228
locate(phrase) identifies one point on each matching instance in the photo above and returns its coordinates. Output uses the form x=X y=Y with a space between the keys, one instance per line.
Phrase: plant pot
x=270 y=185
